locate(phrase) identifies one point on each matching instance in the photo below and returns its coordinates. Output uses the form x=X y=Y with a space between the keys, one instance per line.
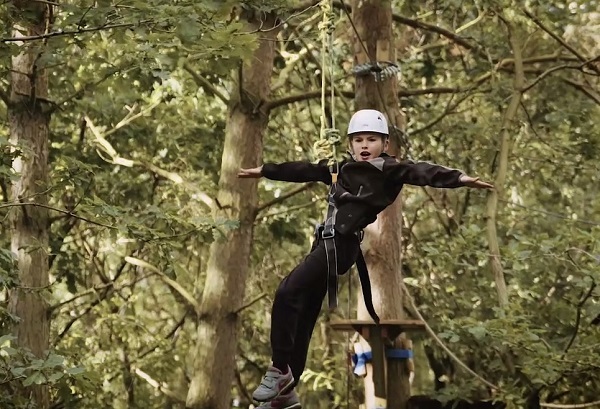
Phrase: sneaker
x=273 y=384
x=287 y=401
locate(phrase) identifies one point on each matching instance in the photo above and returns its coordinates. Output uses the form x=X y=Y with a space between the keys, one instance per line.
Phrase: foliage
x=18 y=365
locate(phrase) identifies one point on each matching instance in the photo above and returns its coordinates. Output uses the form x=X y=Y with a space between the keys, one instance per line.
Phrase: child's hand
x=475 y=182
x=250 y=173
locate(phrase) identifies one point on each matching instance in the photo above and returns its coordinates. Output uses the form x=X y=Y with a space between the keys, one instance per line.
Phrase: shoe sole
x=283 y=391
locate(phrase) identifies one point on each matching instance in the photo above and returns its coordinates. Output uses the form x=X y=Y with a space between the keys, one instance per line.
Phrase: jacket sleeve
x=425 y=174
x=298 y=172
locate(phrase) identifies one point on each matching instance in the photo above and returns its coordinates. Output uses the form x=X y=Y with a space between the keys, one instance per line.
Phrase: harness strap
x=332 y=272
x=328 y=236
x=365 y=283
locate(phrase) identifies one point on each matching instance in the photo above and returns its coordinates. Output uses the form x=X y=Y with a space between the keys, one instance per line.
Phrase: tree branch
x=105 y=294
x=73 y=32
x=504 y=64
x=455 y=38
x=241 y=387
x=285 y=196
x=170 y=334
x=448 y=110
x=562 y=42
x=290 y=99
x=581 y=87
x=162 y=387
x=545 y=74
x=205 y=84
x=412 y=23
x=425 y=26
x=250 y=303
x=556 y=68
x=289 y=209
x=79 y=93
x=95 y=289
x=67 y=212
x=580 y=305
x=172 y=283
x=116 y=159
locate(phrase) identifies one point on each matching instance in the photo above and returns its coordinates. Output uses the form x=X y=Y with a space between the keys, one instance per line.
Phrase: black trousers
x=298 y=302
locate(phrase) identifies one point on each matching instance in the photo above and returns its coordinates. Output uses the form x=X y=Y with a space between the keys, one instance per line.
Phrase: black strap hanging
x=327 y=234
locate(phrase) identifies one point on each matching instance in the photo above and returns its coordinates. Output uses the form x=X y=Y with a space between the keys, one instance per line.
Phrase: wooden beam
x=390 y=325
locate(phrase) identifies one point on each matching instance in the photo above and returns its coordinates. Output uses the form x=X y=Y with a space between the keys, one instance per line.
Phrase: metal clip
x=328 y=232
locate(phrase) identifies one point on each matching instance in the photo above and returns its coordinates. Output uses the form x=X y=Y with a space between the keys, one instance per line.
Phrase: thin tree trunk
x=29 y=119
x=373 y=21
x=505 y=134
x=227 y=269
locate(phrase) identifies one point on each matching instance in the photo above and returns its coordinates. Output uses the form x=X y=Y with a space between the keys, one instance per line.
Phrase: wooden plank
x=397 y=325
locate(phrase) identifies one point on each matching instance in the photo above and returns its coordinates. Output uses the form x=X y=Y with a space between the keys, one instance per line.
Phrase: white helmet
x=368 y=120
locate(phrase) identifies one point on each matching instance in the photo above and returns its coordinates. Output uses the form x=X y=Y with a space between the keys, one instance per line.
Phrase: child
x=366 y=185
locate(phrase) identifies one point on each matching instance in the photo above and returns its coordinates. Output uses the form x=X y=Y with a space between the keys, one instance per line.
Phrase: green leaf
x=54 y=360
x=18 y=371
x=478 y=332
x=6 y=338
x=36 y=378
x=76 y=370
x=9 y=351
x=55 y=377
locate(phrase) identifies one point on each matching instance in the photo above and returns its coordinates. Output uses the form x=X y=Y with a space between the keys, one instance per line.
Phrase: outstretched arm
x=290 y=172
x=430 y=174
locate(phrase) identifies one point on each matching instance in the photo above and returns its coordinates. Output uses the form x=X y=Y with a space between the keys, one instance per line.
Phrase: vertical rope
x=348 y=344
x=329 y=136
x=332 y=89
x=324 y=31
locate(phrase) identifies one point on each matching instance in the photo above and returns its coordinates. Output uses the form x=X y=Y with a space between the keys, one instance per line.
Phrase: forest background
x=122 y=125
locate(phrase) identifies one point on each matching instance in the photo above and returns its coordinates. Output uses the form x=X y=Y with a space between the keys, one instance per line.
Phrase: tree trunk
x=492 y=203
x=382 y=246
x=29 y=119
x=229 y=256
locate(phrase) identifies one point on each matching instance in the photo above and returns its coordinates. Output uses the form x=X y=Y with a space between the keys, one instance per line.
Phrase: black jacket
x=366 y=188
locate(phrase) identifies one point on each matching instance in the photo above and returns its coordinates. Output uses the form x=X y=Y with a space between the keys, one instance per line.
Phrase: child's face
x=366 y=146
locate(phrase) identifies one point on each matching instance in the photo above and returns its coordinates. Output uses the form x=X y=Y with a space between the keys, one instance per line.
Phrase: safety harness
x=326 y=232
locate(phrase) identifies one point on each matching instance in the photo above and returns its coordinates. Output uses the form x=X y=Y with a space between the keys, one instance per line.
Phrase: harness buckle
x=328 y=232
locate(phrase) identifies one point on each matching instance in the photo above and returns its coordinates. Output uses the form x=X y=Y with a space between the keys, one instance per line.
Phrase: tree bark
x=382 y=246
x=29 y=120
x=502 y=157
x=237 y=199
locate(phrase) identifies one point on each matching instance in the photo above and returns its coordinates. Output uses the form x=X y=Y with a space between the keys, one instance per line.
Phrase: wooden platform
x=358 y=325
x=380 y=337
x=387 y=328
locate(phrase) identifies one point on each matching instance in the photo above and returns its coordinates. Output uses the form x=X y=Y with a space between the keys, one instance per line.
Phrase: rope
x=432 y=333
x=570 y=406
x=381 y=70
x=325 y=146
x=456 y=359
